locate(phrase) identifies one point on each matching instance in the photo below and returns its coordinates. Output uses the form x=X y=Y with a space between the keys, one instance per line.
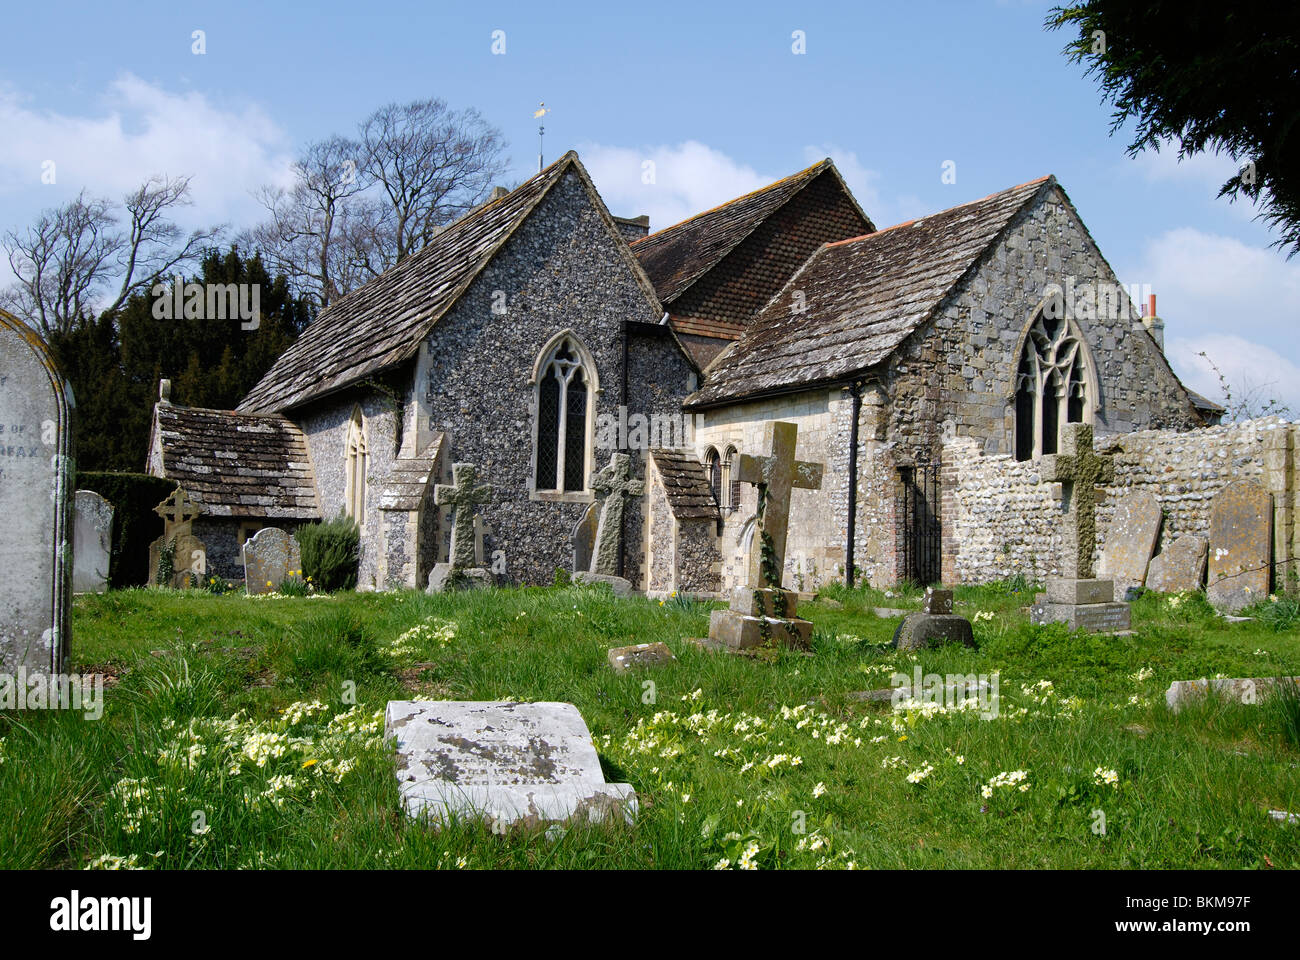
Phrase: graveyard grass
x=228 y=742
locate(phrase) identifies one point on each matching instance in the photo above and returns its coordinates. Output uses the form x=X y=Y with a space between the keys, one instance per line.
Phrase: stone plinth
x=445 y=576
x=737 y=631
x=1082 y=604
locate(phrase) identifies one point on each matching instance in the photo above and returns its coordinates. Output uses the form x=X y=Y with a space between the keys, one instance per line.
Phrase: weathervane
x=540 y=112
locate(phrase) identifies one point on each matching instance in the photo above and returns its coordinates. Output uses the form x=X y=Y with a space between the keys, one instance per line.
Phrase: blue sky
x=711 y=92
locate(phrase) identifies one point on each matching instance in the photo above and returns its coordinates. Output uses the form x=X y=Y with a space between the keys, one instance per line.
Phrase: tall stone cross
x=775 y=475
x=1080 y=471
x=614 y=483
x=178 y=512
x=463 y=495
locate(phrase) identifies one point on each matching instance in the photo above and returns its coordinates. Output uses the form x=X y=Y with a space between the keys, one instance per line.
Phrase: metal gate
x=922 y=530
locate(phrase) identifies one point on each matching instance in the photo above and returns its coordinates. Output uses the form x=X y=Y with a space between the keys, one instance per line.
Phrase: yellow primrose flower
x=309 y=763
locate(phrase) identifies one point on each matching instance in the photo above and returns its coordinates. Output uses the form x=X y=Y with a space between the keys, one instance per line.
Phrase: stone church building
x=538 y=319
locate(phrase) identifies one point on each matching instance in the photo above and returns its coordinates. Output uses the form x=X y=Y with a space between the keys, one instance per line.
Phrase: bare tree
x=432 y=164
x=67 y=259
x=357 y=207
x=320 y=232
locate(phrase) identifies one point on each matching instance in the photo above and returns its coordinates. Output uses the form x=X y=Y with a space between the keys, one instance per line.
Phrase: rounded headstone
x=36 y=486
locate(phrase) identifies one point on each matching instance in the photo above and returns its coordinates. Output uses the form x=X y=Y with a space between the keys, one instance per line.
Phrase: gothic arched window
x=565 y=397
x=731 y=478
x=356 y=456
x=1051 y=387
x=713 y=467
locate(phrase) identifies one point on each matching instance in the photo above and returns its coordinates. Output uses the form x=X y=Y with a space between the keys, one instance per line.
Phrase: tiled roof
x=237 y=464
x=689 y=495
x=383 y=322
x=862 y=298
x=677 y=256
x=405 y=487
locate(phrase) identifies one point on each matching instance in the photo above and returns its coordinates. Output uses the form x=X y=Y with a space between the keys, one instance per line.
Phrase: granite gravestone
x=1241 y=542
x=1130 y=540
x=92 y=542
x=511 y=764
x=1179 y=566
x=271 y=556
x=36 y=491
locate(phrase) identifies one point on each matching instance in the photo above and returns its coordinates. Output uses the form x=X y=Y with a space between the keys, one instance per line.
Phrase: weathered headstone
x=614 y=484
x=510 y=764
x=583 y=538
x=92 y=542
x=762 y=613
x=1077 y=598
x=1131 y=539
x=623 y=659
x=1241 y=542
x=271 y=556
x=189 y=555
x=36 y=491
x=1180 y=566
x=465 y=568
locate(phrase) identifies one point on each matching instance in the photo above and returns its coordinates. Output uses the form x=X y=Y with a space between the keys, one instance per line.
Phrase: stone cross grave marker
x=614 y=483
x=190 y=559
x=524 y=764
x=1080 y=471
x=92 y=542
x=271 y=556
x=775 y=475
x=178 y=512
x=36 y=492
x=462 y=494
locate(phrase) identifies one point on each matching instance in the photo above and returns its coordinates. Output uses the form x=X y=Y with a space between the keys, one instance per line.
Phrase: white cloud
x=1207 y=285
x=691 y=177
x=1254 y=372
x=686 y=179
x=140 y=130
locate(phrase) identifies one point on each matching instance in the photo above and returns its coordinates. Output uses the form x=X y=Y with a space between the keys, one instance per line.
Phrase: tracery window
x=1051 y=387
x=356 y=456
x=564 y=400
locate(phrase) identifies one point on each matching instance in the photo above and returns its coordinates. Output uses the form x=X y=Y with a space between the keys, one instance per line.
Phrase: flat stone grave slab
x=887 y=613
x=523 y=765
x=1248 y=690
x=623 y=659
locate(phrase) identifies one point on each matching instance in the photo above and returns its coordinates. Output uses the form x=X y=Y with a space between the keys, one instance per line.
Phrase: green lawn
x=202 y=760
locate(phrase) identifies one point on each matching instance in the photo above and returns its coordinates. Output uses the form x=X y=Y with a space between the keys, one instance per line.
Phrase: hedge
x=135 y=525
